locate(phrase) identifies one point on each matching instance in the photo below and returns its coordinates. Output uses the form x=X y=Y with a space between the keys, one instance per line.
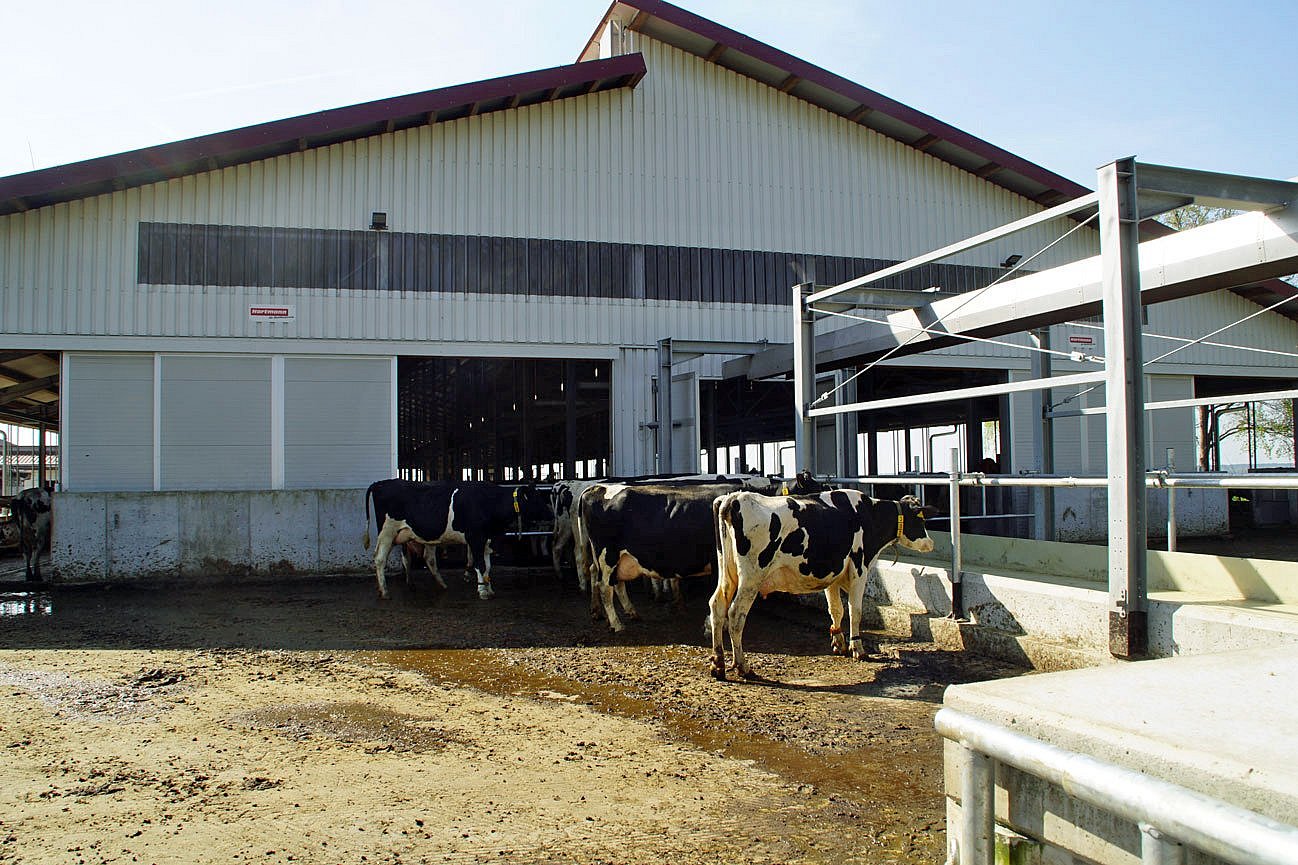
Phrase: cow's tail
x=727 y=572
x=366 y=539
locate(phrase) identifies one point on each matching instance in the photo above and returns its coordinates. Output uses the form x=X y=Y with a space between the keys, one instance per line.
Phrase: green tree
x=1194 y=215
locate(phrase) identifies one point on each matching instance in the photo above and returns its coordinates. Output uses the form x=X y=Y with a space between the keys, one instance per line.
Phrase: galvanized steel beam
x=804 y=379
x=1066 y=209
x=1125 y=428
x=665 y=405
x=1232 y=252
x=1212 y=189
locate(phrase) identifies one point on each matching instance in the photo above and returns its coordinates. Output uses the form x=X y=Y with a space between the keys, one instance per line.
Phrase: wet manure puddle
x=360 y=724
x=870 y=776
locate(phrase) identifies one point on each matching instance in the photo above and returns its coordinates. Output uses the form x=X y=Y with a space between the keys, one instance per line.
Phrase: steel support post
x=665 y=406
x=1043 y=441
x=40 y=456
x=1171 y=502
x=804 y=378
x=570 y=419
x=1157 y=849
x=957 y=559
x=846 y=426
x=977 y=808
x=1125 y=398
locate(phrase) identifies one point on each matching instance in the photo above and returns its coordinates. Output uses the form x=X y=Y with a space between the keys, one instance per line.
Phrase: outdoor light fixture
x=379 y=221
x=1012 y=260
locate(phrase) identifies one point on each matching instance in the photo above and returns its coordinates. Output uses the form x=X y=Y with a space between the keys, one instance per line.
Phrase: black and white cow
x=31 y=510
x=662 y=531
x=799 y=544
x=563 y=501
x=442 y=512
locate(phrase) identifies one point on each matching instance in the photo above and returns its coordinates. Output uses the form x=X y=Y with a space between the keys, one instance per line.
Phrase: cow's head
x=531 y=505
x=911 y=531
x=805 y=484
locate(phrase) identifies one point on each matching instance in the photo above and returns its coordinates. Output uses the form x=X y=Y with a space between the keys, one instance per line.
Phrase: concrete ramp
x=1220 y=725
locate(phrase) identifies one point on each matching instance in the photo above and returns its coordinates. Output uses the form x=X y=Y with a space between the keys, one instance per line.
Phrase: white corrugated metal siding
x=696 y=156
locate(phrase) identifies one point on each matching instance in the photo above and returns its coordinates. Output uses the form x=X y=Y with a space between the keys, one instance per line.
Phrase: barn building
x=477 y=281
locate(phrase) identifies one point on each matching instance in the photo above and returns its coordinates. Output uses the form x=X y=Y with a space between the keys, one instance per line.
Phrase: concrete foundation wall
x=1082 y=514
x=1045 y=605
x=201 y=535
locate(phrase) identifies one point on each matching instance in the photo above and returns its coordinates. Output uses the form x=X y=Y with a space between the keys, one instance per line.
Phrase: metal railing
x=1154 y=479
x=1169 y=816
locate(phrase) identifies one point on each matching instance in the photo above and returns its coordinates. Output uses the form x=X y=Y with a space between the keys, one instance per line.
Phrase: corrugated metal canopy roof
x=208 y=152
x=29 y=388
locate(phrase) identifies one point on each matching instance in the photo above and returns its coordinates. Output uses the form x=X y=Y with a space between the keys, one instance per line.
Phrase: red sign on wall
x=272 y=313
x=1081 y=340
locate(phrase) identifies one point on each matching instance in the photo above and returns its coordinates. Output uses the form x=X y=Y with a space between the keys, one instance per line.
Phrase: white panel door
x=685 y=423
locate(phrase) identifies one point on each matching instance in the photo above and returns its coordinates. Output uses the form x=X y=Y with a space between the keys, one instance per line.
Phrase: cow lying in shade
x=800 y=544
x=442 y=512
x=31 y=509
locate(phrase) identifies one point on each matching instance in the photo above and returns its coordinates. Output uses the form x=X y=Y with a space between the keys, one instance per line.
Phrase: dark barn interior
x=518 y=419
x=502 y=419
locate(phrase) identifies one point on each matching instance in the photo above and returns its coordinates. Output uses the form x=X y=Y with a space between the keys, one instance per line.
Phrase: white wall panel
x=108 y=440
x=215 y=423
x=633 y=446
x=337 y=421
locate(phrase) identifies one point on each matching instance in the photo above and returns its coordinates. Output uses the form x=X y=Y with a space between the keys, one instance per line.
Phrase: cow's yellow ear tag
x=516 y=501
x=785 y=491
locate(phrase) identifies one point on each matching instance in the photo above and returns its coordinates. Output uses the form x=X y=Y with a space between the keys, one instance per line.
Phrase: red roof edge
x=851 y=90
x=150 y=164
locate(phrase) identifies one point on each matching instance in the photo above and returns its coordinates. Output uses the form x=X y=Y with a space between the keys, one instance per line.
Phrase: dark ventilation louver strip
x=233 y=255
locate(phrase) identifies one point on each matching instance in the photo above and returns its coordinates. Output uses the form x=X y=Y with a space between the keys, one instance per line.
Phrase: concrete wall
x=207 y=535
x=1082 y=514
x=1217 y=725
x=1045 y=605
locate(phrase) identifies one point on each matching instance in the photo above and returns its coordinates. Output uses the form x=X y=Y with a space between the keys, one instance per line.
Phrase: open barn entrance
x=29 y=439
x=747 y=425
x=502 y=419
x=29 y=419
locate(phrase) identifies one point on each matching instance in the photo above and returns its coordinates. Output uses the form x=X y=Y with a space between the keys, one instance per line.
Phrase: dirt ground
x=307 y=721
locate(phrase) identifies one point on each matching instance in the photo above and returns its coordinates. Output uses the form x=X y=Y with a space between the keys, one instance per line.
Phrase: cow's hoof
x=718 y=673
x=632 y=615
x=486 y=593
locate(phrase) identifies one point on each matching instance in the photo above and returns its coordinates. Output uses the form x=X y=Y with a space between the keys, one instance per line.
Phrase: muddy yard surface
x=307 y=721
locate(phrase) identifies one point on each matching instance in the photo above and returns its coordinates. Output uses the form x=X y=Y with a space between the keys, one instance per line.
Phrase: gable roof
x=33 y=189
x=759 y=61
x=756 y=60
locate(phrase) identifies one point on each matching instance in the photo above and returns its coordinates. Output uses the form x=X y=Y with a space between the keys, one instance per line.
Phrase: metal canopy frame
x=1126 y=274
x=670 y=352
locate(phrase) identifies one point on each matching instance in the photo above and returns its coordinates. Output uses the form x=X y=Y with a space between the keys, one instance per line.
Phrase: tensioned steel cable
x=968 y=298
x=1251 y=348
x=1167 y=354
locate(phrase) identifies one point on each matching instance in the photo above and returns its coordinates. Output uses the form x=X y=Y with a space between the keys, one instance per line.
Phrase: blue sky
x=1066 y=85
